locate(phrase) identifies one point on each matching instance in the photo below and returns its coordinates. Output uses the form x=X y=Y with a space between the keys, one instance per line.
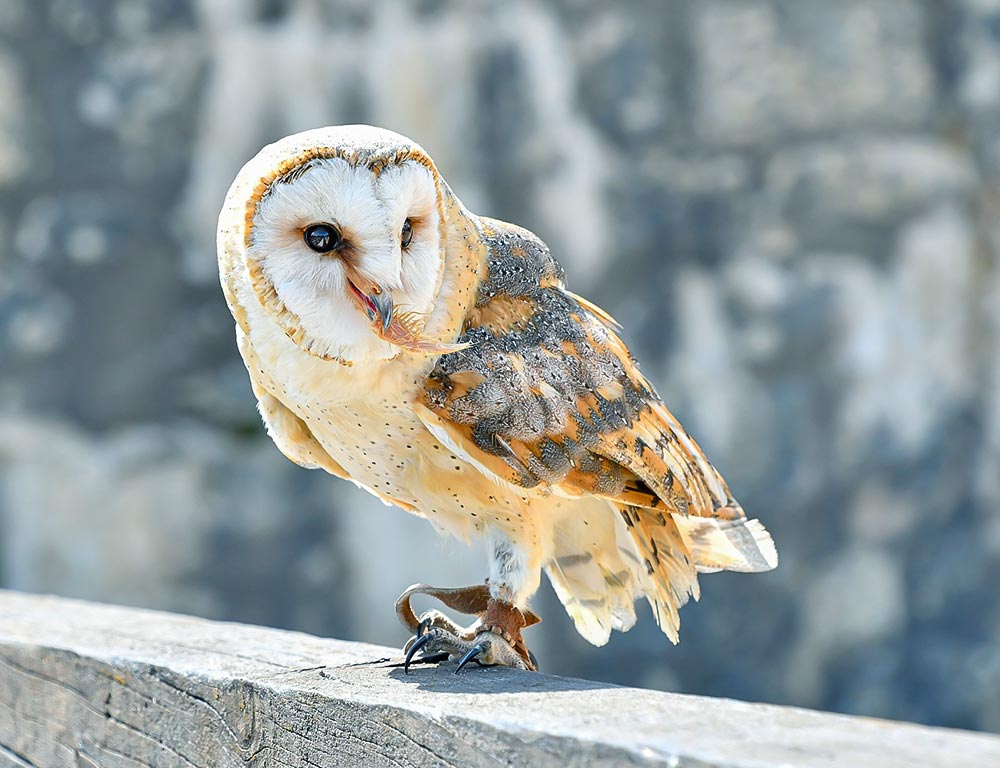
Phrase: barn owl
x=436 y=359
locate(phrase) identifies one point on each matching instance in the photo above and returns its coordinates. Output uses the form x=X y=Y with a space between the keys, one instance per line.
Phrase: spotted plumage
x=456 y=377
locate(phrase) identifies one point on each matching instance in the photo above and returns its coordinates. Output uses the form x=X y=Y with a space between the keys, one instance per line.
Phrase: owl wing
x=548 y=396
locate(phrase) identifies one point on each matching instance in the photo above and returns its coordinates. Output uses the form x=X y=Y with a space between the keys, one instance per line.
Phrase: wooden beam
x=94 y=685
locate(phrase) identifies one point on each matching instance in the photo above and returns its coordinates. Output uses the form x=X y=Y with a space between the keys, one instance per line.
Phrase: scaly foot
x=494 y=639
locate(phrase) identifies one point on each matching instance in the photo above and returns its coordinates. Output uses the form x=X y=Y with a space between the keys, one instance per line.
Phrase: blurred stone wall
x=791 y=205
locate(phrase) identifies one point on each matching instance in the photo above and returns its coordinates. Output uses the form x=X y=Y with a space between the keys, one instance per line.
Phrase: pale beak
x=400 y=328
x=383 y=308
x=374 y=300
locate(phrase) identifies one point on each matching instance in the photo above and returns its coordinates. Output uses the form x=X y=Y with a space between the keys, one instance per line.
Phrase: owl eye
x=322 y=238
x=406 y=235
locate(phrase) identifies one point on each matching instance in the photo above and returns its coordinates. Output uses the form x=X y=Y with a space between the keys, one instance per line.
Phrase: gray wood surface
x=92 y=685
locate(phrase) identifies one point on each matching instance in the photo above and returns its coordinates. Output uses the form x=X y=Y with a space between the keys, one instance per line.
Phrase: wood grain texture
x=90 y=685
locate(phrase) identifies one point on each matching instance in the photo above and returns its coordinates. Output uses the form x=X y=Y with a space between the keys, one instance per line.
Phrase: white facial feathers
x=407 y=191
x=369 y=212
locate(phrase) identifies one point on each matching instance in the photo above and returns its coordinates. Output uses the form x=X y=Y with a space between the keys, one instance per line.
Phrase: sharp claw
x=421 y=641
x=422 y=627
x=472 y=654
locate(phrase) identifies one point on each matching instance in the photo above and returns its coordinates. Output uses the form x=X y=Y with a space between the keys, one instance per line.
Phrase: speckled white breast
x=387 y=450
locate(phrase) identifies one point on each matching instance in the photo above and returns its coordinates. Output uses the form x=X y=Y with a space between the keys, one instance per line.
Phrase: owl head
x=340 y=236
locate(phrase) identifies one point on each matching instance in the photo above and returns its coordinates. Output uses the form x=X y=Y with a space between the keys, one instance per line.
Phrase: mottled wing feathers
x=547 y=395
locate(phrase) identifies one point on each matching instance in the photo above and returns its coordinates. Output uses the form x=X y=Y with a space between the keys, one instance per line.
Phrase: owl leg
x=514 y=577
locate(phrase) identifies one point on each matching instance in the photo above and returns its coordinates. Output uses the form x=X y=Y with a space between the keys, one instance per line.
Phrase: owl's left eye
x=406 y=234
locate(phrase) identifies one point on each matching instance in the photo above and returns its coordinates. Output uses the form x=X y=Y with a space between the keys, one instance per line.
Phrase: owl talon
x=420 y=641
x=494 y=639
x=471 y=655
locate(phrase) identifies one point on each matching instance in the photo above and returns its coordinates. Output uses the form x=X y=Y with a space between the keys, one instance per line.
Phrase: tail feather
x=731 y=545
x=676 y=547
x=603 y=559
x=594 y=570
x=670 y=575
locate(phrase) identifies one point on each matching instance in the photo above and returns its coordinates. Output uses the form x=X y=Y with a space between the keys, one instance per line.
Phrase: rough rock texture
x=792 y=205
x=84 y=684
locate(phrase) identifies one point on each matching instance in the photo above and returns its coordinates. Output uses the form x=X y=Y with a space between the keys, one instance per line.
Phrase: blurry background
x=793 y=207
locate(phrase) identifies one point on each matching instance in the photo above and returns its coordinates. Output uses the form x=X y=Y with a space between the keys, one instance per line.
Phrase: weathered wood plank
x=93 y=685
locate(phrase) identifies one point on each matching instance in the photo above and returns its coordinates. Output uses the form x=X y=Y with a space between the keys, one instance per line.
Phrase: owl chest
x=387 y=450
x=364 y=419
x=378 y=443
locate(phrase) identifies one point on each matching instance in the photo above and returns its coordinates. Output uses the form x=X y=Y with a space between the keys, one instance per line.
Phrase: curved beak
x=375 y=301
x=382 y=303
x=402 y=329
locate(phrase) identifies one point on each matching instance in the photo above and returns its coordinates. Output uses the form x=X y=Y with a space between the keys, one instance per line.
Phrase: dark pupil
x=322 y=238
x=407 y=234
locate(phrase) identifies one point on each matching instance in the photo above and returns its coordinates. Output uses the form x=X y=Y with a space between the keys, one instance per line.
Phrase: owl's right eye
x=322 y=238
